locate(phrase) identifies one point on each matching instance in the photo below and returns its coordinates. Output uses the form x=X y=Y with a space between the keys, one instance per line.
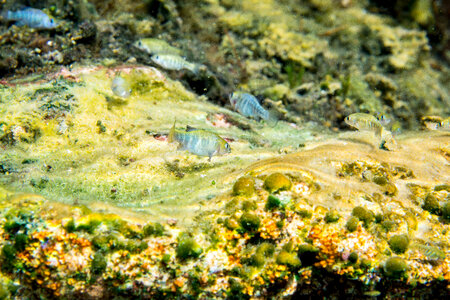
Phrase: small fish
x=32 y=17
x=248 y=105
x=365 y=122
x=174 y=62
x=430 y=252
x=156 y=46
x=198 y=141
x=120 y=87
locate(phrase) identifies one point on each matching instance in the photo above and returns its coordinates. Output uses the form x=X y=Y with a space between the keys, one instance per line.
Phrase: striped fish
x=174 y=62
x=199 y=142
x=365 y=122
x=32 y=17
x=248 y=105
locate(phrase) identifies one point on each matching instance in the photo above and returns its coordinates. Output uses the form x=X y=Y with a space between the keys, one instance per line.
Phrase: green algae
x=188 y=248
x=277 y=182
x=399 y=243
x=244 y=186
x=395 y=267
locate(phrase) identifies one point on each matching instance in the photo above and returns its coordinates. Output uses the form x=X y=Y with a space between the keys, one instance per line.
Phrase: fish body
x=365 y=122
x=32 y=17
x=156 y=46
x=248 y=105
x=174 y=62
x=199 y=142
x=120 y=87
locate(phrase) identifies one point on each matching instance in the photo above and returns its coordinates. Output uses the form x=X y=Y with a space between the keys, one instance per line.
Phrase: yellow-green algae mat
x=339 y=204
x=71 y=140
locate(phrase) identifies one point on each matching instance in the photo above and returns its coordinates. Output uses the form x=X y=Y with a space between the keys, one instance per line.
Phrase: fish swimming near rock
x=198 y=141
x=120 y=87
x=174 y=62
x=32 y=17
x=156 y=46
x=366 y=122
x=247 y=105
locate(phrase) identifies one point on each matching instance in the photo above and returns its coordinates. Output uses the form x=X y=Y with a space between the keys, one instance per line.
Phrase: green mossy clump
x=277 y=182
x=8 y=257
x=307 y=254
x=262 y=253
x=289 y=259
x=188 y=248
x=363 y=214
x=431 y=204
x=352 y=224
x=248 y=205
x=380 y=180
x=353 y=257
x=98 y=264
x=272 y=202
x=395 y=267
x=304 y=213
x=153 y=229
x=446 y=211
x=20 y=241
x=250 y=222
x=244 y=186
x=399 y=243
x=332 y=216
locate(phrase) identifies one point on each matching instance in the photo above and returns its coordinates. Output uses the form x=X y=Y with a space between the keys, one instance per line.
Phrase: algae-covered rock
x=395 y=267
x=250 y=222
x=244 y=186
x=399 y=243
x=272 y=202
x=431 y=204
x=352 y=224
x=188 y=248
x=363 y=214
x=277 y=182
x=332 y=216
x=288 y=258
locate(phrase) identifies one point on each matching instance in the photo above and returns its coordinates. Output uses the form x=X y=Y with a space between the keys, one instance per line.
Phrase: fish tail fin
x=171 y=137
x=272 y=118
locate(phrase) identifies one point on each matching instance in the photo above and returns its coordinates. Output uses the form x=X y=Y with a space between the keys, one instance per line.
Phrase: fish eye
x=52 y=21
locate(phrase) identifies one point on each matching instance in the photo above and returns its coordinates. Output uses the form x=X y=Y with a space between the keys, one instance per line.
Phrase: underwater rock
x=277 y=182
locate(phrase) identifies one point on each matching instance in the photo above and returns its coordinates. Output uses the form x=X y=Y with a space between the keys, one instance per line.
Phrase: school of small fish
x=31 y=17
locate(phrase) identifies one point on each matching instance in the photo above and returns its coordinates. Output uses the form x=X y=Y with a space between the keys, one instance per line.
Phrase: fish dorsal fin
x=190 y=128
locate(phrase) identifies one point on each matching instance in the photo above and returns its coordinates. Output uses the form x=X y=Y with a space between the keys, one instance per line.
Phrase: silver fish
x=365 y=122
x=174 y=62
x=156 y=46
x=199 y=142
x=120 y=87
x=32 y=17
x=248 y=105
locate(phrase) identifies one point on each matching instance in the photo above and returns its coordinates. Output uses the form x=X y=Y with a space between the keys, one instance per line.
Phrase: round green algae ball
x=244 y=186
x=352 y=224
x=250 y=221
x=395 y=267
x=277 y=182
x=431 y=204
x=363 y=214
x=399 y=243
